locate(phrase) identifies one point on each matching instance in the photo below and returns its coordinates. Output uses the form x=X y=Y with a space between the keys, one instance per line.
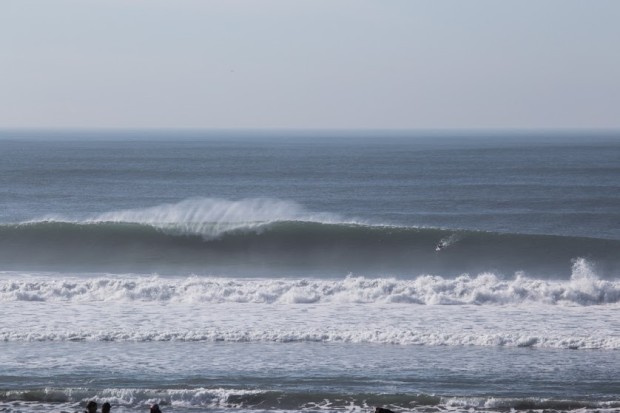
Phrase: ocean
x=317 y=271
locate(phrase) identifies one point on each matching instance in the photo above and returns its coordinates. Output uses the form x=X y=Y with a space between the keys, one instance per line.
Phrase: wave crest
x=207 y=217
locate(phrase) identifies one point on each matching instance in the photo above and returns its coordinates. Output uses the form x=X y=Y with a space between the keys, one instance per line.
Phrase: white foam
x=220 y=399
x=583 y=288
x=481 y=310
x=138 y=397
x=200 y=397
x=390 y=336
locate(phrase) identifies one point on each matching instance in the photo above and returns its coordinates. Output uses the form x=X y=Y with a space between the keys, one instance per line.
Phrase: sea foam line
x=387 y=336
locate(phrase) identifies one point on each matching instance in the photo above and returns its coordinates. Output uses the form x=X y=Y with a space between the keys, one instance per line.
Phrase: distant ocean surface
x=240 y=271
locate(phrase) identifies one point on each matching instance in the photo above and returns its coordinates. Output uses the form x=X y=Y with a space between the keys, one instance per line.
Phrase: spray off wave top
x=207 y=217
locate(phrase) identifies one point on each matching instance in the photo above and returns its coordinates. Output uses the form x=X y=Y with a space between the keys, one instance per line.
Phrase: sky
x=310 y=64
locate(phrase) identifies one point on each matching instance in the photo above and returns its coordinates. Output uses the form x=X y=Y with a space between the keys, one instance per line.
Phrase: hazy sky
x=310 y=64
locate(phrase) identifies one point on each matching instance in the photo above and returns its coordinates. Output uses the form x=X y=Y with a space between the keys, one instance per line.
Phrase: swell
x=294 y=248
x=261 y=400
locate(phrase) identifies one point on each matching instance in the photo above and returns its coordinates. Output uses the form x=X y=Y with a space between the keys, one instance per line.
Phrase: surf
x=290 y=400
x=583 y=288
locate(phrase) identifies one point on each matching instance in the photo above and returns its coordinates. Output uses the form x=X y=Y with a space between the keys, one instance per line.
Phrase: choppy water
x=330 y=272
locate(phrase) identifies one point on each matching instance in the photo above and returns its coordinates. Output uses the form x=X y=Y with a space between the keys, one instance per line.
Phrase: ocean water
x=310 y=271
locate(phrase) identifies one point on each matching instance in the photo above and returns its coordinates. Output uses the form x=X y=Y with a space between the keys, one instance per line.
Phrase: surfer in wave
x=445 y=242
x=441 y=245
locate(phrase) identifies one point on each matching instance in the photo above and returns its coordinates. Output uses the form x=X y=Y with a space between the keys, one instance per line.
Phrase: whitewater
x=583 y=288
x=330 y=272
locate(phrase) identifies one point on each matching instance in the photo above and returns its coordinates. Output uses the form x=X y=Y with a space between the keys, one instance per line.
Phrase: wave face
x=270 y=237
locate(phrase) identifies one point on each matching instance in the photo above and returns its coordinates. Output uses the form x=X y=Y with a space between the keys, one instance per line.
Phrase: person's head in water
x=155 y=409
x=105 y=408
x=91 y=407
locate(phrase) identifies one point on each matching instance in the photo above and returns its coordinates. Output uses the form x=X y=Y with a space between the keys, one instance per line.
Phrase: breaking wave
x=266 y=237
x=208 y=218
x=583 y=288
x=227 y=398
